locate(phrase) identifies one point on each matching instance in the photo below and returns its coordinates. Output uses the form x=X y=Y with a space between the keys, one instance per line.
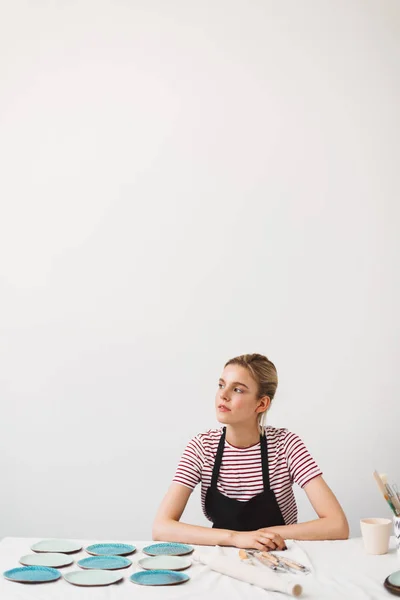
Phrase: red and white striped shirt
x=240 y=476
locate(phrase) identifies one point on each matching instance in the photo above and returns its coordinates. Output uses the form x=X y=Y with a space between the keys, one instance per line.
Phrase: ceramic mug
x=396 y=523
x=376 y=535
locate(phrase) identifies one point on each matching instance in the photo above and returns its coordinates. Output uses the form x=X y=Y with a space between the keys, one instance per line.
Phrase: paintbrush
x=291 y=563
x=392 y=495
x=252 y=555
x=384 y=491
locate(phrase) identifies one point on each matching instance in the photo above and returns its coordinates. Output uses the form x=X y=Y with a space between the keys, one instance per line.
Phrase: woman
x=246 y=472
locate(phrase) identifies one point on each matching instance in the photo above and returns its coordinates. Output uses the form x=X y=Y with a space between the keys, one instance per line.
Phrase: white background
x=182 y=182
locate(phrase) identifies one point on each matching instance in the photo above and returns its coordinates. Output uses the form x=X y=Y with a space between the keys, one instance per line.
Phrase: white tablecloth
x=341 y=569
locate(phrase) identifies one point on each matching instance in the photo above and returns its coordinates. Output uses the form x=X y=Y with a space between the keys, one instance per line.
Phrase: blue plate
x=104 y=562
x=110 y=549
x=168 y=548
x=159 y=577
x=32 y=574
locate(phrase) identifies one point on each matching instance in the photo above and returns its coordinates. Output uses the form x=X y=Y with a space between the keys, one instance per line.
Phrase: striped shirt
x=240 y=476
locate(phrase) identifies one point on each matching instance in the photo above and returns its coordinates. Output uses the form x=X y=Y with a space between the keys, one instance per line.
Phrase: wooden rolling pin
x=262 y=578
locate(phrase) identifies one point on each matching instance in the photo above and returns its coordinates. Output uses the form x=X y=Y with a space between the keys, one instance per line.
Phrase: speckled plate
x=92 y=578
x=108 y=563
x=159 y=577
x=165 y=563
x=168 y=549
x=110 y=549
x=65 y=546
x=32 y=574
x=46 y=559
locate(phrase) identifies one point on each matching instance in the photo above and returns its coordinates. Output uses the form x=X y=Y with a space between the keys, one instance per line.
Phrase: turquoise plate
x=104 y=562
x=159 y=577
x=110 y=549
x=32 y=574
x=168 y=548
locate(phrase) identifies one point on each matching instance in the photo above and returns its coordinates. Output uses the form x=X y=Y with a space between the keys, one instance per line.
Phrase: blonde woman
x=246 y=471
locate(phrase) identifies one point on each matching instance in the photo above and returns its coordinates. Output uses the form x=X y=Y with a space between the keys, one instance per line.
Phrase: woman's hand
x=260 y=539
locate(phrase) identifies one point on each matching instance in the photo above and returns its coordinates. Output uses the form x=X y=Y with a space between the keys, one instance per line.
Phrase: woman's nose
x=224 y=395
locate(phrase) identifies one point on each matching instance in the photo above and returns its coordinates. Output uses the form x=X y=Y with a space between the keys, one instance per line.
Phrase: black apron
x=226 y=513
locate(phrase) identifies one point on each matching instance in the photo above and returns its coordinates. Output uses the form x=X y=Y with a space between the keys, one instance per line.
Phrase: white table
x=341 y=569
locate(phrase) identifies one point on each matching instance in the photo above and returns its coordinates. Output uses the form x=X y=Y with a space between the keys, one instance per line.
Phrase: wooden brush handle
x=270 y=557
x=290 y=563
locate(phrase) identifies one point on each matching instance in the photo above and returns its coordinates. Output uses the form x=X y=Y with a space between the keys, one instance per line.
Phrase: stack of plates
x=40 y=567
x=162 y=564
x=392 y=583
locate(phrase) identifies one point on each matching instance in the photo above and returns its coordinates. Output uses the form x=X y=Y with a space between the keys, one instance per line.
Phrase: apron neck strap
x=218 y=459
x=264 y=460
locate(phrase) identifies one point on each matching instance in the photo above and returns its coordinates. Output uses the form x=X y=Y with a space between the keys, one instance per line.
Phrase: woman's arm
x=166 y=527
x=332 y=523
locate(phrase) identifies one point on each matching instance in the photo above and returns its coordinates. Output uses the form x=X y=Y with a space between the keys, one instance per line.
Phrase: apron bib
x=227 y=513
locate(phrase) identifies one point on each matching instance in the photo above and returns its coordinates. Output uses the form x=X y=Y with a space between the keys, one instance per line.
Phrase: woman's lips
x=224 y=409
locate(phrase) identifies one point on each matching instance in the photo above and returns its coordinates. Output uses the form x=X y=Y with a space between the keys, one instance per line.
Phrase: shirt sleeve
x=302 y=467
x=190 y=466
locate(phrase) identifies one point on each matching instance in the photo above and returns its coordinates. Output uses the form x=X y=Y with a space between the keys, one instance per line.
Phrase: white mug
x=376 y=535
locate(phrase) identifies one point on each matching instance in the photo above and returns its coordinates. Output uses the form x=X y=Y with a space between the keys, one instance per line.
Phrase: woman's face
x=237 y=398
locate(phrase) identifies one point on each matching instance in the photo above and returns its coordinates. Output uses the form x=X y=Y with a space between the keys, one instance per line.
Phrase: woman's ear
x=263 y=404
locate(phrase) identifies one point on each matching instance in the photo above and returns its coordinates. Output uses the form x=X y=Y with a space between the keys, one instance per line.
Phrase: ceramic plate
x=393 y=589
x=394 y=579
x=104 y=562
x=32 y=574
x=168 y=548
x=66 y=546
x=47 y=559
x=92 y=577
x=165 y=563
x=159 y=577
x=110 y=549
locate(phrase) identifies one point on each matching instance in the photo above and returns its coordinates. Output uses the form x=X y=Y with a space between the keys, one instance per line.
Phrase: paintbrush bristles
x=382 y=485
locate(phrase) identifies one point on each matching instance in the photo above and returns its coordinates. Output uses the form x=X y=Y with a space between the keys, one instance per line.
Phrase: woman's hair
x=264 y=374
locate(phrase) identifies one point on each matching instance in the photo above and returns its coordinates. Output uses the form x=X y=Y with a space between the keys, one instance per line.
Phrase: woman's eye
x=238 y=390
x=220 y=386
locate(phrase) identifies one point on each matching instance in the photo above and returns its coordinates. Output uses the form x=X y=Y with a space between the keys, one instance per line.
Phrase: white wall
x=182 y=182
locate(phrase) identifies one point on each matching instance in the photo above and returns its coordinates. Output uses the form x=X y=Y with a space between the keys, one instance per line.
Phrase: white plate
x=66 y=546
x=92 y=577
x=47 y=559
x=170 y=563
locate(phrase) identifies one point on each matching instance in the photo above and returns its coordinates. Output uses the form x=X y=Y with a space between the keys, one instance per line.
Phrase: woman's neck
x=242 y=436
